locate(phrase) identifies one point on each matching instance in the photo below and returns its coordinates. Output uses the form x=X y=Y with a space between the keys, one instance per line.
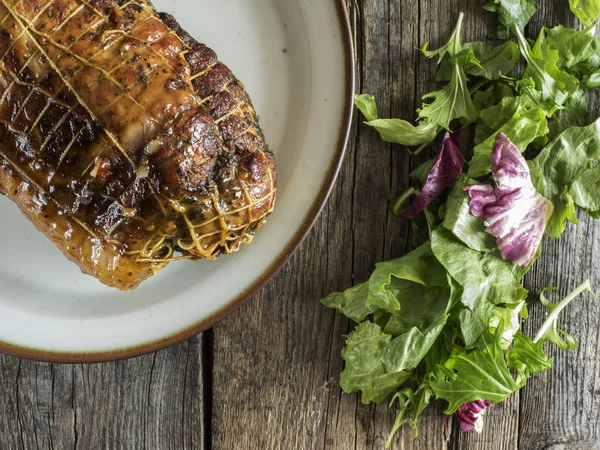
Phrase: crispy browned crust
x=124 y=140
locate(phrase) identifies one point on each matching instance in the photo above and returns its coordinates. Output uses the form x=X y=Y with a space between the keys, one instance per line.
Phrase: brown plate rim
x=278 y=264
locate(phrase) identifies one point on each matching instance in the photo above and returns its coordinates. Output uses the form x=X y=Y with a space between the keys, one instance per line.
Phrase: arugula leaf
x=559 y=165
x=511 y=14
x=549 y=330
x=494 y=61
x=364 y=370
x=451 y=48
x=479 y=374
x=519 y=118
x=464 y=225
x=485 y=277
x=554 y=84
x=410 y=406
x=586 y=10
x=395 y=131
x=527 y=357
x=453 y=101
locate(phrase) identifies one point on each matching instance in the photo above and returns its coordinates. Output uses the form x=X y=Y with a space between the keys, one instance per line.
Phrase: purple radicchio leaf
x=514 y=212
x=470 y=415
x=447 y=166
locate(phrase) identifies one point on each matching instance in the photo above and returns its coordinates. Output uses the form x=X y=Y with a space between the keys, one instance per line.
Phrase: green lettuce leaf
x=422 y=171
x=398 y=131
x=464 y=225
x=406 y=351
x=480 y=374
x=352 y=302
x=559 y=165
x=364 y=370
x=511 y=14
x=367 y=106
x=519 y=118
x=573 y=46
x=586 y=10
x=417 y=274
x=395 y=131
x=441 y=349
x=485 y=277
x=573 y=114
x=585 y=190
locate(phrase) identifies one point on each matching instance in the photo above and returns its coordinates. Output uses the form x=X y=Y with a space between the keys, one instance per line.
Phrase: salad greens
x=444 y=321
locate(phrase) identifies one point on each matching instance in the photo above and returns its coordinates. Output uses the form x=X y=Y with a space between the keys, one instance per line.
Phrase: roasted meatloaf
x=124 y=140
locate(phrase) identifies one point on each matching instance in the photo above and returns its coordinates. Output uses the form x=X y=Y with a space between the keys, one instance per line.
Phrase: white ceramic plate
x=295 y=59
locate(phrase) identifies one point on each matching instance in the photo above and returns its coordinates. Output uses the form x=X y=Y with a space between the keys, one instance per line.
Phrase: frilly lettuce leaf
x=559 y=166
x=416 y=273
x=485 y=278
x=573 y=46
x=586 y=10
x=519 y=118
x=364 y=370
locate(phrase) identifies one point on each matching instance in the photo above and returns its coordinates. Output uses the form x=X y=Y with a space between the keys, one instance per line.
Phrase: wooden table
x=266 y=377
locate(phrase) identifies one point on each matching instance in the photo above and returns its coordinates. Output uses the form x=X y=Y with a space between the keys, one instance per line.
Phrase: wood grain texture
x=557 y=410
x=152 y=402
x=269 y=377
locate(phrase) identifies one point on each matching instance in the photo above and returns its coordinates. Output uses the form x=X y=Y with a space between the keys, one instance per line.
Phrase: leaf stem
x=400 y=203
x=585 y=286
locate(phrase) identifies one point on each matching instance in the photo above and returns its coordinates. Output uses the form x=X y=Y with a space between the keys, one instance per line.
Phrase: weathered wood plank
x=357 y=231
x=152 y=402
